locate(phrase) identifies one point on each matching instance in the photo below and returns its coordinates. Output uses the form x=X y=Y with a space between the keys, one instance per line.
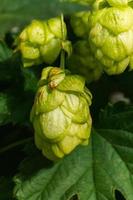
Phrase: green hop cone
x=60 y=114
x=111 y=36
x=42 y=41
x=83 y=62
x=79 y=23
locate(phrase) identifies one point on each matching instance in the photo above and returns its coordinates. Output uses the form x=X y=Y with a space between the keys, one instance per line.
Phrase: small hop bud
x=42 y=41
x=79 y=23
x=83 y=62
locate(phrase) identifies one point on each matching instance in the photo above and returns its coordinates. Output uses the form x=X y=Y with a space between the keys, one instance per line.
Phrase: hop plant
x=111 y=35
x=79 y=23
x=83 y=62
x=60 y=114
x=42 y=41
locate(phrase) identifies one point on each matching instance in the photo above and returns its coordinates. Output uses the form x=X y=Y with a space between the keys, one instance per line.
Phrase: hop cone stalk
x=42 y=41
x=60 y=113
x=83 y=62
x=111 y=35
x=82 y=2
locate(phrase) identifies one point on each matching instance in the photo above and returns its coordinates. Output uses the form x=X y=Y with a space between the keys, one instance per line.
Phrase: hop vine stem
x=62 y=59
x=15 y=144
x=62 y=55
x=62 y=27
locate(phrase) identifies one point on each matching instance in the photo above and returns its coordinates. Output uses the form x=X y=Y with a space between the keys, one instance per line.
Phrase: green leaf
x=6 y=186
x=30 y=80
x=10 y=70
x=5 y=113
x=119 y=116
x=93 y=172
x=15 y=107
x=5 y=52
x=122 y=141
x=17 y=13
x=20 y=108
x=29 y=166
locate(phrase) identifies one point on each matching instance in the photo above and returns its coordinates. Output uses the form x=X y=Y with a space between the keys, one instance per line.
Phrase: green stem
x=15 y=144
x=62 y=55
x=62 y=59
x=62 y=26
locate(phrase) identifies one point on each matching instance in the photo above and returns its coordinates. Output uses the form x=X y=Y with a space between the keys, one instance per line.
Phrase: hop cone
x=83 y=62
x=79 y=23
x=42 y=41
x=60 y=114
x=111 y=35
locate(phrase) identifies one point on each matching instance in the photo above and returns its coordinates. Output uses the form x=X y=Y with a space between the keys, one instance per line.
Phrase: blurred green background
x=17 y=13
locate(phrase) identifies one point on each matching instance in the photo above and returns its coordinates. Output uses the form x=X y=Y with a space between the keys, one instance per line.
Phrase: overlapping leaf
x=119 y=116
x=6 y=186
x=5 y=52
x=16 y=13
x=5 y=113
x=90 y=173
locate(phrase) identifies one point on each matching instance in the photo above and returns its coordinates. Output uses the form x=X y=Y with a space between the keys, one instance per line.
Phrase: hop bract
x=111 y=35
x=83 y=62
x=60 y=114
x=42 y=41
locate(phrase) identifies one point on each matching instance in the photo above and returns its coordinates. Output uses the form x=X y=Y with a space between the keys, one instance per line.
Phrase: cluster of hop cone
x=60 y=113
